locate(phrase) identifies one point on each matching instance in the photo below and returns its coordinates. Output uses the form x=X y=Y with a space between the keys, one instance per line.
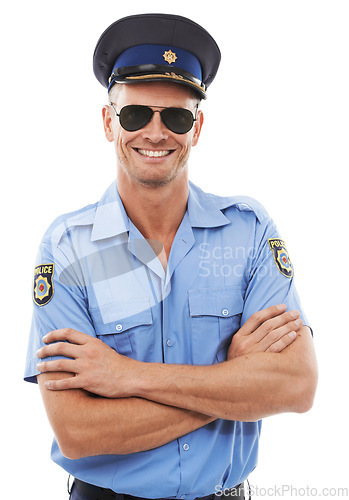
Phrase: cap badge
x=170 y=56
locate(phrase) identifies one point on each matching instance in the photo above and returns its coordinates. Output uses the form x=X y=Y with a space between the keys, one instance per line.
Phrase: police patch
x=281 y=257
x=43 y=285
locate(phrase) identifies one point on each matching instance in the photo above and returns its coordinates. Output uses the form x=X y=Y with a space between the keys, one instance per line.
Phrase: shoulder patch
x=281 y=257
x=42 y=284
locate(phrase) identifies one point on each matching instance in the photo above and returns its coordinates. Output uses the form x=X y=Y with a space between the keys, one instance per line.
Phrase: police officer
x=166 y=319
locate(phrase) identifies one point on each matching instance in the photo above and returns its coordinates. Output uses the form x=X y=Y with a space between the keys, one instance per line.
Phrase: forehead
x=154 y=93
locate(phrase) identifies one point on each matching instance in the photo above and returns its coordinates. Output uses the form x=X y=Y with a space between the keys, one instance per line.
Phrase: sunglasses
x=134 y=117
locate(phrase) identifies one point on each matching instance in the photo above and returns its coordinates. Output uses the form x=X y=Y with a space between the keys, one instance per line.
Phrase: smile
x=153 y=154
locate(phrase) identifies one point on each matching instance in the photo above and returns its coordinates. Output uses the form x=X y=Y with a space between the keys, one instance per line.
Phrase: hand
x=95 y=366
x=270 y=330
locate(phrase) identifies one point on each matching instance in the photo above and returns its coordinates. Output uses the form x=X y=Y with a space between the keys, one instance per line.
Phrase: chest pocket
x=215 y=315
x=126 y=326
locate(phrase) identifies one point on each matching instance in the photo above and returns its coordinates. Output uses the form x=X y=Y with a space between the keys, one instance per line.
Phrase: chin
x=154 y=183
x=156 y=180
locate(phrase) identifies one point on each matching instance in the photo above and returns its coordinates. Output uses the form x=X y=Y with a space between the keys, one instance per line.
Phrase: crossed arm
x=270 y=368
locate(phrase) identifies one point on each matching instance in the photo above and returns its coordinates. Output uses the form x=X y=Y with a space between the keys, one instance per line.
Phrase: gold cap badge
x=170 y=56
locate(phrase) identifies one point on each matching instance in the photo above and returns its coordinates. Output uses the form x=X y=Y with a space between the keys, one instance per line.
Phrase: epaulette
x=81 y=217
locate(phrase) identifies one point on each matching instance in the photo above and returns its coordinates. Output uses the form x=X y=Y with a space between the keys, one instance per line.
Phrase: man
x=166 y=319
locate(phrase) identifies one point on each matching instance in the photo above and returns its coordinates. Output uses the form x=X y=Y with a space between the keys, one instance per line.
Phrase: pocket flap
x=216 y=301
x=121 y=315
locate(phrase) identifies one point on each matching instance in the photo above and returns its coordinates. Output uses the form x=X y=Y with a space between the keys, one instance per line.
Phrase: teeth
x=153 y=154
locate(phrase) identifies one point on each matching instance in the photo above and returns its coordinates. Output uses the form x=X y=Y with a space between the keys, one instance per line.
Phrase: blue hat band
x=173 y=57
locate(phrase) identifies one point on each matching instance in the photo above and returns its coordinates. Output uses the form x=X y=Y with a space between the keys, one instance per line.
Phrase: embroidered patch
x=281 y=257
x=43 y=285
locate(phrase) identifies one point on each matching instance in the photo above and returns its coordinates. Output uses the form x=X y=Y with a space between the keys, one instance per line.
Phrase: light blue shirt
x=226 y=263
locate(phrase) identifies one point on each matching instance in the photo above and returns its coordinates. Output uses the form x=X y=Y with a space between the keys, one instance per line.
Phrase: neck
x=156 y=212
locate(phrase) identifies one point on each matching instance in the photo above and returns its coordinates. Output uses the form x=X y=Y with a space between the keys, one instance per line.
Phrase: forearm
x=85 y=425
x=246 y=388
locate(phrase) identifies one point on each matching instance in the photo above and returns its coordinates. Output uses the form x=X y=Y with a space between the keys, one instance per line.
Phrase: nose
x=155 y=130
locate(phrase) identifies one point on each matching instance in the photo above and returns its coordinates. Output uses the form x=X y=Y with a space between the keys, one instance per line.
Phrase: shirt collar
x=110 y=219
x=205 y=210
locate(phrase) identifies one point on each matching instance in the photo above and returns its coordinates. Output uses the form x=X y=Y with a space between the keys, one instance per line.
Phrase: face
x=152 y=156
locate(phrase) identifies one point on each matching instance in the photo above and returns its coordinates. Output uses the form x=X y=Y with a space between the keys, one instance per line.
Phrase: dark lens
x=135 y=117
x=179 y=120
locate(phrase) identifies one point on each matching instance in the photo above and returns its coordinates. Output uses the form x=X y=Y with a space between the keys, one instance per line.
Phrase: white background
x=276 y=129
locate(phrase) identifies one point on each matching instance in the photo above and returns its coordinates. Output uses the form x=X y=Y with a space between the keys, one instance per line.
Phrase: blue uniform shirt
x=227 y=261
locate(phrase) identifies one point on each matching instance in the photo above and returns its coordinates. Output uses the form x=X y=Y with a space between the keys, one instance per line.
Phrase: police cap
x=156 y=47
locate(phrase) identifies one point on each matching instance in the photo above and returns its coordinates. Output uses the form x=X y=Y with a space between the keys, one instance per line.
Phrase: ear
x=197 y=127
x=108 y=123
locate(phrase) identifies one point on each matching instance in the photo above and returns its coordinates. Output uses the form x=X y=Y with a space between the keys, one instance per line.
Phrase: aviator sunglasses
x=134 y=117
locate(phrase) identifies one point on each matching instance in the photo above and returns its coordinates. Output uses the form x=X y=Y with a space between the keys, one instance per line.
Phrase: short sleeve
x=56 y=303
x=271 y=279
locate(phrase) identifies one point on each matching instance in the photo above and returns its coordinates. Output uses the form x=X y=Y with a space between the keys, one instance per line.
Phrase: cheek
x=120 y=143
x=186 y=146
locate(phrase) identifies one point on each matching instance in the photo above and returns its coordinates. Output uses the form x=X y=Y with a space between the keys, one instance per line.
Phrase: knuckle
x=284 y=318
x=242 y=347
x=59 y=365
x=60 y=347
x=273 y=336
x=268 y=324
x=258 y=316
x=279 y=345
x=96 y=342
x=273 y=348
x=60 y=384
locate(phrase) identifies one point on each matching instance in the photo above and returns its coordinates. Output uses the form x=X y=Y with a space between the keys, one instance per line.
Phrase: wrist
x=132 y=377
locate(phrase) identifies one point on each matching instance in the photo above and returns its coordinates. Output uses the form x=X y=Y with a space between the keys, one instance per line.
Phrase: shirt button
x=225 y=312
x=186 y=447
x=169 y=343
x=118 y=328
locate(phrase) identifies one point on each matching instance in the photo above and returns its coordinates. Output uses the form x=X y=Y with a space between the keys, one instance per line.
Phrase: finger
x=275 y=335
x=63 y=384
x=282 y=343
x=68 y=334
x=58 y=349
x=259 y=317
x=59 y=365
x=270 y=338
x=275 y=323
